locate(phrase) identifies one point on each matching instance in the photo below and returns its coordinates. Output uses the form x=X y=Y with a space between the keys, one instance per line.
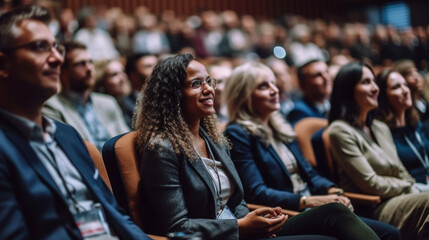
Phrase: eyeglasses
x=40 y=46
x=197 y=84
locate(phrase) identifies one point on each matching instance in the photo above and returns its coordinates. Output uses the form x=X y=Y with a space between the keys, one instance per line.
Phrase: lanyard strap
x=52 y=160
x=424 y=161
x=218 y=190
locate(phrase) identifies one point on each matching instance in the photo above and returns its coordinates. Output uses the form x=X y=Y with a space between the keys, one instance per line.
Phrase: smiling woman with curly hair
x=161 y=113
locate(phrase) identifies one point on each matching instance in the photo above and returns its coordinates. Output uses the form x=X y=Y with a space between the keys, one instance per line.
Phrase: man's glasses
x=40 y=46
x=197 y=84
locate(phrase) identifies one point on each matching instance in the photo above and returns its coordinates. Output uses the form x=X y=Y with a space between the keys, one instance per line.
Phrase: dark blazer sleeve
x=301 y=110
x=256 y=189
x=175 y=197
x=295 y=115
x=264 y=180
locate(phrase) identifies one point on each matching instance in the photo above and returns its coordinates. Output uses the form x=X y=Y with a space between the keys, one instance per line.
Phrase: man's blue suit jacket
x=31 y=204
x=264 y=176
x=303 y=109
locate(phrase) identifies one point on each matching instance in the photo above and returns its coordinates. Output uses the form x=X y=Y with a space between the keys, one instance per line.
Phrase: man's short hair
x=70 y=46
x=300 y=72
x=9 y=20
x=131 y=65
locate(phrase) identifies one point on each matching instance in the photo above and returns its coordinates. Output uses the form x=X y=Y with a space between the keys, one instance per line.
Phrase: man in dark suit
x=48 y=182
x=316 y=86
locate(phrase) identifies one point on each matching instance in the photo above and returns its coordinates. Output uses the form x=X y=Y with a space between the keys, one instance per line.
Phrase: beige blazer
x=110 y=114
x=365 y=165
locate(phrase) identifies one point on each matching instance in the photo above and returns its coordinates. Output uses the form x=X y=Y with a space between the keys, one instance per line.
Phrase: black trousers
x=334 y=220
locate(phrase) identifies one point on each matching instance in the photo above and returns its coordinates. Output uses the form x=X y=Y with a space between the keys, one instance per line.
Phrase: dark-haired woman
x=416 y=83
x=397 y=111
x=189 y=182
x=366 y=155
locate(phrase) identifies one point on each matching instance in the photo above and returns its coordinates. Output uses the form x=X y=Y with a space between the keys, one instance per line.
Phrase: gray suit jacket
x=367 y=166
x=62 y=109
x=178 y=194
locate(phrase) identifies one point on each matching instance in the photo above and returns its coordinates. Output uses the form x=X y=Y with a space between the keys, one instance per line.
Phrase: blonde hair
x=238 y=91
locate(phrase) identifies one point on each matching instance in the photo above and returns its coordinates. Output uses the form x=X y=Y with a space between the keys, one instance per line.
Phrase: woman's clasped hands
x=262 y=222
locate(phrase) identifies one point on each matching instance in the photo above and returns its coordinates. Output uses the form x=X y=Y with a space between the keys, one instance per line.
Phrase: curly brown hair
x=160 y=114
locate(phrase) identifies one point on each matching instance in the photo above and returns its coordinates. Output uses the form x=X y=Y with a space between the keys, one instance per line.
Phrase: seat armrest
x=284 y=211
x=363 y=199
x=155 y=237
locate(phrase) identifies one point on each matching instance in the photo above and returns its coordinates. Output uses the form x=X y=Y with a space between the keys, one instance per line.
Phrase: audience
x=208 y=35
x=188 y=180
x=316 y=86
x=366 y=156
x=302 y=49
x=97 y=40
x=235 y=41
x=122 y=31
x=213 y=36
x=267 y=157
x=96 y=116
x=149 y=39
x=397 y=111
x=48 y=180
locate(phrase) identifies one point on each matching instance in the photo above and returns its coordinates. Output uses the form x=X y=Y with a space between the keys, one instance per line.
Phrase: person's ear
x=4 y=65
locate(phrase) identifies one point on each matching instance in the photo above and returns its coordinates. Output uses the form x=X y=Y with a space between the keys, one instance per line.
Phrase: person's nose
x=405 y=90
x=374 y=88
x=55 y=57
x=326 y=76
x=273 y=89
x=89 y=66
x=206 y=88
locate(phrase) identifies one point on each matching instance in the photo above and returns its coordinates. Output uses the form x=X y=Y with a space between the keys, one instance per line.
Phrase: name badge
x=226 y=214
x=92 y=223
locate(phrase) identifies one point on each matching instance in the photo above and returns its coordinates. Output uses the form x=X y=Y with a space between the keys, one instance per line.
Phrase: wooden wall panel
x=257 y=8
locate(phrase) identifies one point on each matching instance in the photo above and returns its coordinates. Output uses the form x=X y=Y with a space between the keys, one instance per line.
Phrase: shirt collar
x=76 y=98
x=323 y=107
x=29 y=129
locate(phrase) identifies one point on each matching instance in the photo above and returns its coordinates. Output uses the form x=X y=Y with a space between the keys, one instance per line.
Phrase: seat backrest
x=304 y=130
x=98 y=162
x=330 y=161
x=121 y=163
